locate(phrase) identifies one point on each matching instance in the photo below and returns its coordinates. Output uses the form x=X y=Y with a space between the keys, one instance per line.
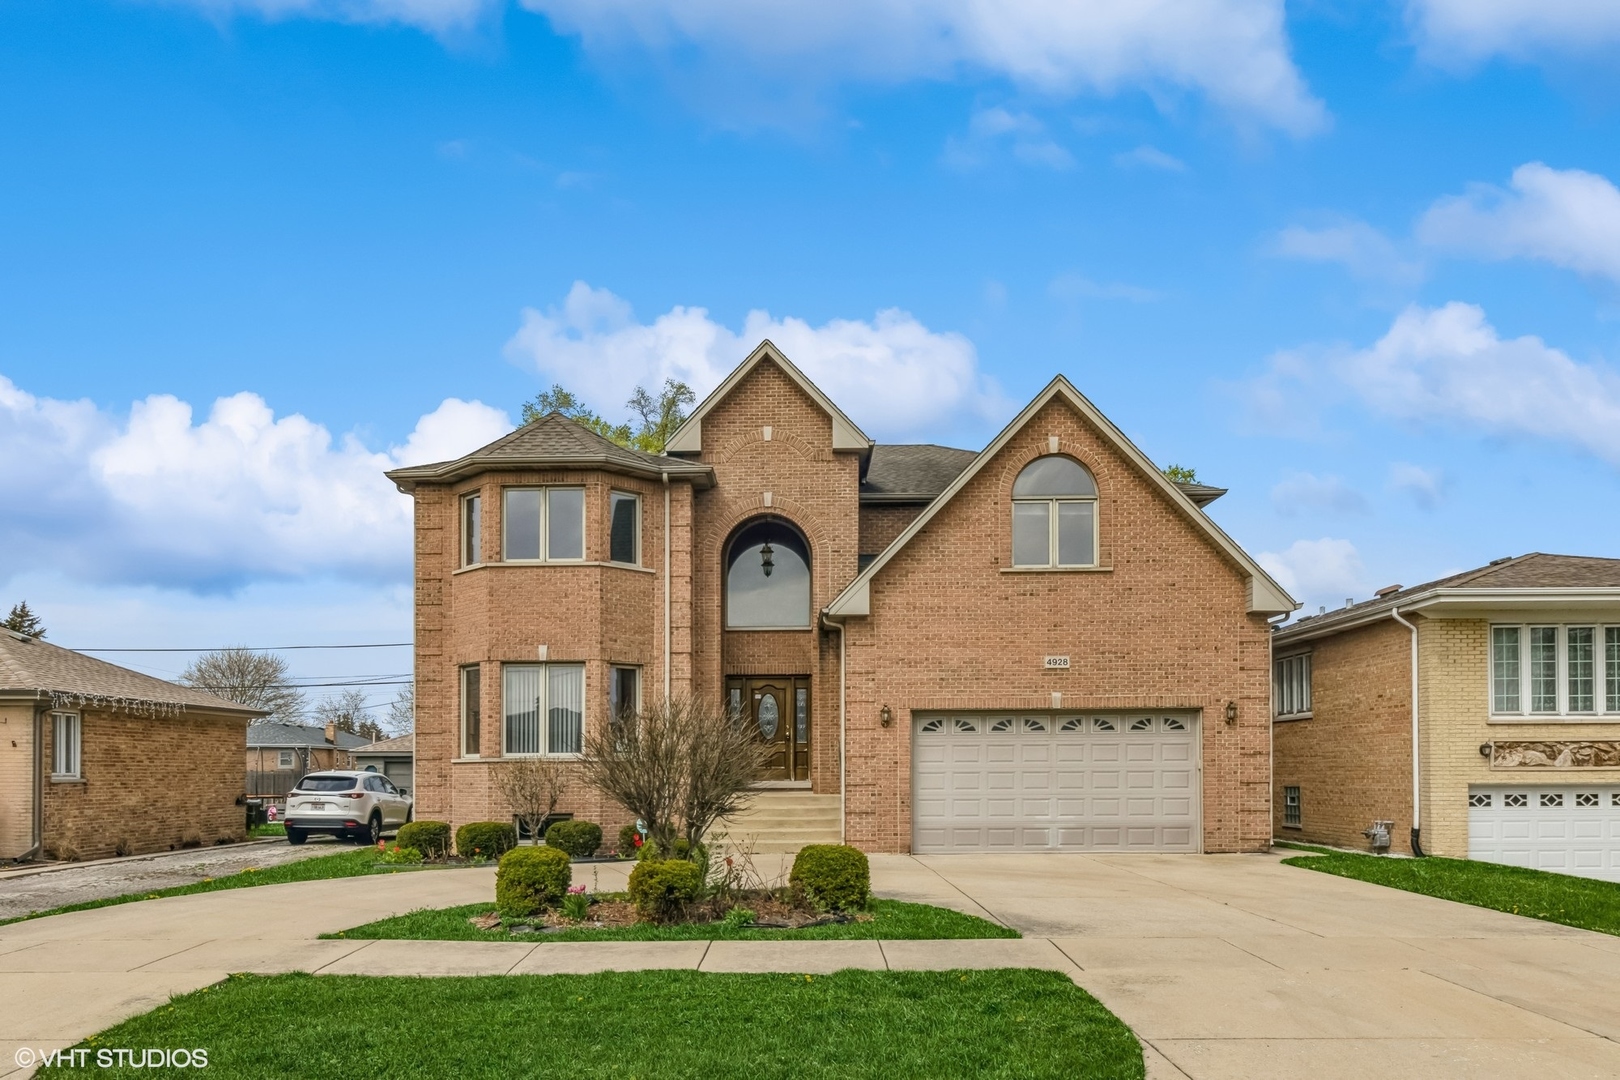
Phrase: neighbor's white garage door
x=1055 y=782
x=1571 y=830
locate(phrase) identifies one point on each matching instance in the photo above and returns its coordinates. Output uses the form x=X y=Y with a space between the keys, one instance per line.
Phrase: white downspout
x=668 y=649
x=843 y=710
x=1417 y=792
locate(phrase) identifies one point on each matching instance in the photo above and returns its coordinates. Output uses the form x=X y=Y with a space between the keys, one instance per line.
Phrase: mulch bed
x=770 y=913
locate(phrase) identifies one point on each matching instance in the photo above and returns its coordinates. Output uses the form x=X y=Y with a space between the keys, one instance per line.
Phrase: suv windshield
x=326 y=783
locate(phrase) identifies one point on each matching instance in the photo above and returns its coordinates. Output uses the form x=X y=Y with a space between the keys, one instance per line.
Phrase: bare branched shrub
x=532 y=787
x=678 y=765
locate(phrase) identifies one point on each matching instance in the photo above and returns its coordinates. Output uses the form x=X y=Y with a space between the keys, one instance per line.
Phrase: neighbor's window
x=543 y=524
x=472 y=530
x=768 y=578
x=1054 y=514
x=286 y=759
x=624 y=536
x=1292 y=692
x=472 y=685
x=624 y=691
x=64 y=746
x=1556 y=670
x=1291 y=817
x=544 y=707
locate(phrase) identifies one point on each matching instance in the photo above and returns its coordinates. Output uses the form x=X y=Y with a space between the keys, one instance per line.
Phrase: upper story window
x=1054 y=514
x=1291 y=685
x=1555 y=670
x=472 y=529
x=624 y=539
x=543 y=524
x=768 y=578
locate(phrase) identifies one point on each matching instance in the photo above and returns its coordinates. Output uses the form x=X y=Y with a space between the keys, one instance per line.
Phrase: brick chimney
x=331 y=732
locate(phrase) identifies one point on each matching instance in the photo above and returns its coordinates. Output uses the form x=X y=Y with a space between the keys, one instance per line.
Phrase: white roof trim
x=1264 y=594
x=688 y=438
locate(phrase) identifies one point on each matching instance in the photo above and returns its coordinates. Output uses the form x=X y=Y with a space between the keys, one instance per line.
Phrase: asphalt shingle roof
x=901 y=472
x=37 y=668
x=276 y=733
x=399 y=744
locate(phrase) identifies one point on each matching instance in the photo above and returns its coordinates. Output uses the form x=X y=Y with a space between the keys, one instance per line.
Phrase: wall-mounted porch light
x=885 y=717
x=1231 y=712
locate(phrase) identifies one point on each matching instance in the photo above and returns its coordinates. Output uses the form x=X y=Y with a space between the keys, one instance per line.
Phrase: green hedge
x=485 y=839
x=661 y=888
x=531 y=878
x=578 y=838
x=832 y=877
x=431 y=838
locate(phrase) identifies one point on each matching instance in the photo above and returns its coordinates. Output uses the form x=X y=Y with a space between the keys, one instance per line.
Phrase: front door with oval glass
x=777 y=710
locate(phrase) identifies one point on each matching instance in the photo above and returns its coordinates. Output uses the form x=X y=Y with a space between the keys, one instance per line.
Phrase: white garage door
x=1571 y=830
x=1055 y=782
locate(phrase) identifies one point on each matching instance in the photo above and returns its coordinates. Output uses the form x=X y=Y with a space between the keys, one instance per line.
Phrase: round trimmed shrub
x=662 y=888
x=531 y=878
x=832 y=877
x=578 y=838
x=431 y=838
x=486 y=839
x=627 y=840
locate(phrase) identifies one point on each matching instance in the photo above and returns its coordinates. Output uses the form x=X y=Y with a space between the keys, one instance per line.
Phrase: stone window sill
x=560 y=562
x=1291 y=717
x=67 y=780
x=1057 y=569
x=1556 y=718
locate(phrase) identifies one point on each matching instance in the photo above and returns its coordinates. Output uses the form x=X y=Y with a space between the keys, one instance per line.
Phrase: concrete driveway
x=1225 y=966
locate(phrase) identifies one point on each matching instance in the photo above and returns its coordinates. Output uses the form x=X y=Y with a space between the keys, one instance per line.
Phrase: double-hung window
x=286 y=759
x=472 y=686
x=543 y=524
x=624 y=528
x=1571 y=670
x=1291 y=689
x=472 y=530
x=544 y=706
x=624 y=691
x=65 y=730
x=1054 y=514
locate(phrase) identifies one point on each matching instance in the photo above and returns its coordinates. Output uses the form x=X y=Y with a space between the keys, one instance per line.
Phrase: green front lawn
x=892 y=920
x=1559 y=898
x=650 y=1024
x=348 y=863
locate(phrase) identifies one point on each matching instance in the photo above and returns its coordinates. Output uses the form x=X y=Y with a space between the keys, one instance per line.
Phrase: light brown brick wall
x=879 y=525
x=1352 y=761
x=148 y=784
x=16 y=779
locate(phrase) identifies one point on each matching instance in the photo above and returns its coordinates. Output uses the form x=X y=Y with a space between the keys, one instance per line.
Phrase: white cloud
x=893 y=375
x=1150 y=157
x=1425 y=486
x=1566 y=217
x=436 y=16
x=1453 y=31
x=1235 y=51
x=162 y=498
x=1449 y=365
x=1322 y=572
x=1360 y=248
x=990 y=128
x=1306 y=491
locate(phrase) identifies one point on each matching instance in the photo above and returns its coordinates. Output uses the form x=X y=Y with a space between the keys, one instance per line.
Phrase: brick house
x=99 y=760
x=1506 y=680
x=279 y=753
x=1045 y=645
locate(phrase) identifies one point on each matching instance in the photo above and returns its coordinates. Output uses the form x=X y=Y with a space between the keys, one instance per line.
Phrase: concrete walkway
x=1225 y=966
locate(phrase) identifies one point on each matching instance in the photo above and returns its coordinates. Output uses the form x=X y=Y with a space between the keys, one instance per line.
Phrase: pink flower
x=576 y=889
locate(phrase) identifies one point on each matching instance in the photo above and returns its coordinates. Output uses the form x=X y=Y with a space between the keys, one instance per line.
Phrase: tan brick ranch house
x=98 y=760
x=1044 y=646
x=1506 y=681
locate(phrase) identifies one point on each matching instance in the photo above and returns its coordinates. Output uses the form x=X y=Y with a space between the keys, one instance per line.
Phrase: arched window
x=1054 y=514
x=768 y=578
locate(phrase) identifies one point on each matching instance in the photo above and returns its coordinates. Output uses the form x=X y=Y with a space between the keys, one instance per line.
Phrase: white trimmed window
x=286 y=759
x=543 y=524
x=472 y=529
x=624 y=528
x=544 y=710
x=65 y=733
x=1054 y=514
x=1291 y=689
x=472 y=691
x=1555 y=670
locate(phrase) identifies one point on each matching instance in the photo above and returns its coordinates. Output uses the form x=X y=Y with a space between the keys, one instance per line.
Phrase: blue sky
x=1358 y=262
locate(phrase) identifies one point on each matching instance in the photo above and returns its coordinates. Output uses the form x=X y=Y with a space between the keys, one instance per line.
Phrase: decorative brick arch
x=735 y=513
x=756 y=437
x=1016 y=461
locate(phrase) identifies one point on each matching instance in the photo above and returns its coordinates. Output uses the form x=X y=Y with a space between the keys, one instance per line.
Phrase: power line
x=264 y=648
x=310 y=686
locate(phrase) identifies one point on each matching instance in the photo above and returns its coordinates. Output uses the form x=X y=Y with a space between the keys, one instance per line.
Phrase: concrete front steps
x=783 y=821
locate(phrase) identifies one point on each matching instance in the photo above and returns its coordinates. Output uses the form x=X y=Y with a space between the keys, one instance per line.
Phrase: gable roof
x=552 y=441
x=399 y=744
x=688 y=439
x=1265 y=595
x=32 y=667
x=911 y=472
x=1535 y=578
x=277 y=733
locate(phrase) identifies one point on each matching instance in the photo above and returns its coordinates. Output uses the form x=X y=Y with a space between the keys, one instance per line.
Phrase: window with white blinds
x=544 y=706
x=1291 y=691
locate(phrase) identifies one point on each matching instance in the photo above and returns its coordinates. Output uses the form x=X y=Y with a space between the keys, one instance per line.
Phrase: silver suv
x=362 y=805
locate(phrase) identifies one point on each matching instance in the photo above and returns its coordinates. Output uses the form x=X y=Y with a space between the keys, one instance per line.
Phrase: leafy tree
x=23 y=620
x=255 y=679
x=1177 y=474
x=562 y=401
x=347 y=712
x=658 y=415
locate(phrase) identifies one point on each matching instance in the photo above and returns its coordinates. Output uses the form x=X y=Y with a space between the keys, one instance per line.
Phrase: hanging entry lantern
x=765 y=554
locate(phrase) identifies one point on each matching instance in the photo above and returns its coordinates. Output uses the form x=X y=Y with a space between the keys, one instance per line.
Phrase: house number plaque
x=1057 y=663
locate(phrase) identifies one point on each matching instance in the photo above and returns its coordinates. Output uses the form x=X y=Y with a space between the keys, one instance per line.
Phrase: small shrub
x=832 y=877
x=578 y=838
x=683 y=850
x=488 y=839
x=431 y=838
x=576 y=905
x=738 y=917
x=629 y=841
x=531 y=878
x=661 y=888
x=406 y=856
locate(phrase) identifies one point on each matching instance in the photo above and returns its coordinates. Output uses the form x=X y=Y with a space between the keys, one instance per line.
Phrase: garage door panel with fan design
x=1055 y=782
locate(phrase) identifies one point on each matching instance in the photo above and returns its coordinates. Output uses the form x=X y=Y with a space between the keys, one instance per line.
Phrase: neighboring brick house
x=279 y=753
x=99 y=760
x=1515 y=670
x=1045 y=645
x=394 y=758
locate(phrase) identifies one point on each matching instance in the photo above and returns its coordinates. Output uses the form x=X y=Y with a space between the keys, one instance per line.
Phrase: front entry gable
x=688 y=439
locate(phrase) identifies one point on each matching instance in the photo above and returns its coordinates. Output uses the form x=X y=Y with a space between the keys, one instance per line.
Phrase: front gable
x=688 y=439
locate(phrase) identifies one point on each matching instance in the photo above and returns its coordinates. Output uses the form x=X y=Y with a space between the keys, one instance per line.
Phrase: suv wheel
x=296 y=836
x=373 y=833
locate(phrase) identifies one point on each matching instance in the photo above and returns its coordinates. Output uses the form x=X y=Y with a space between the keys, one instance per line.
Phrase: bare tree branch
x=532 y=786
x=257 y=680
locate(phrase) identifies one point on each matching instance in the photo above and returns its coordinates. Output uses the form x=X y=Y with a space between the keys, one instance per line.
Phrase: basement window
x=1291 y=817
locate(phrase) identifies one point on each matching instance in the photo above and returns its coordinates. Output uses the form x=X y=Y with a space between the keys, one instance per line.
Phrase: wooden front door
x=777 y=710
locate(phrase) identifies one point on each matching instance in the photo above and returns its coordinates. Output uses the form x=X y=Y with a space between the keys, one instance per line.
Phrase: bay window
x=624 y=528
x=544 y=709
x=472 y=530
x=543 y=524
